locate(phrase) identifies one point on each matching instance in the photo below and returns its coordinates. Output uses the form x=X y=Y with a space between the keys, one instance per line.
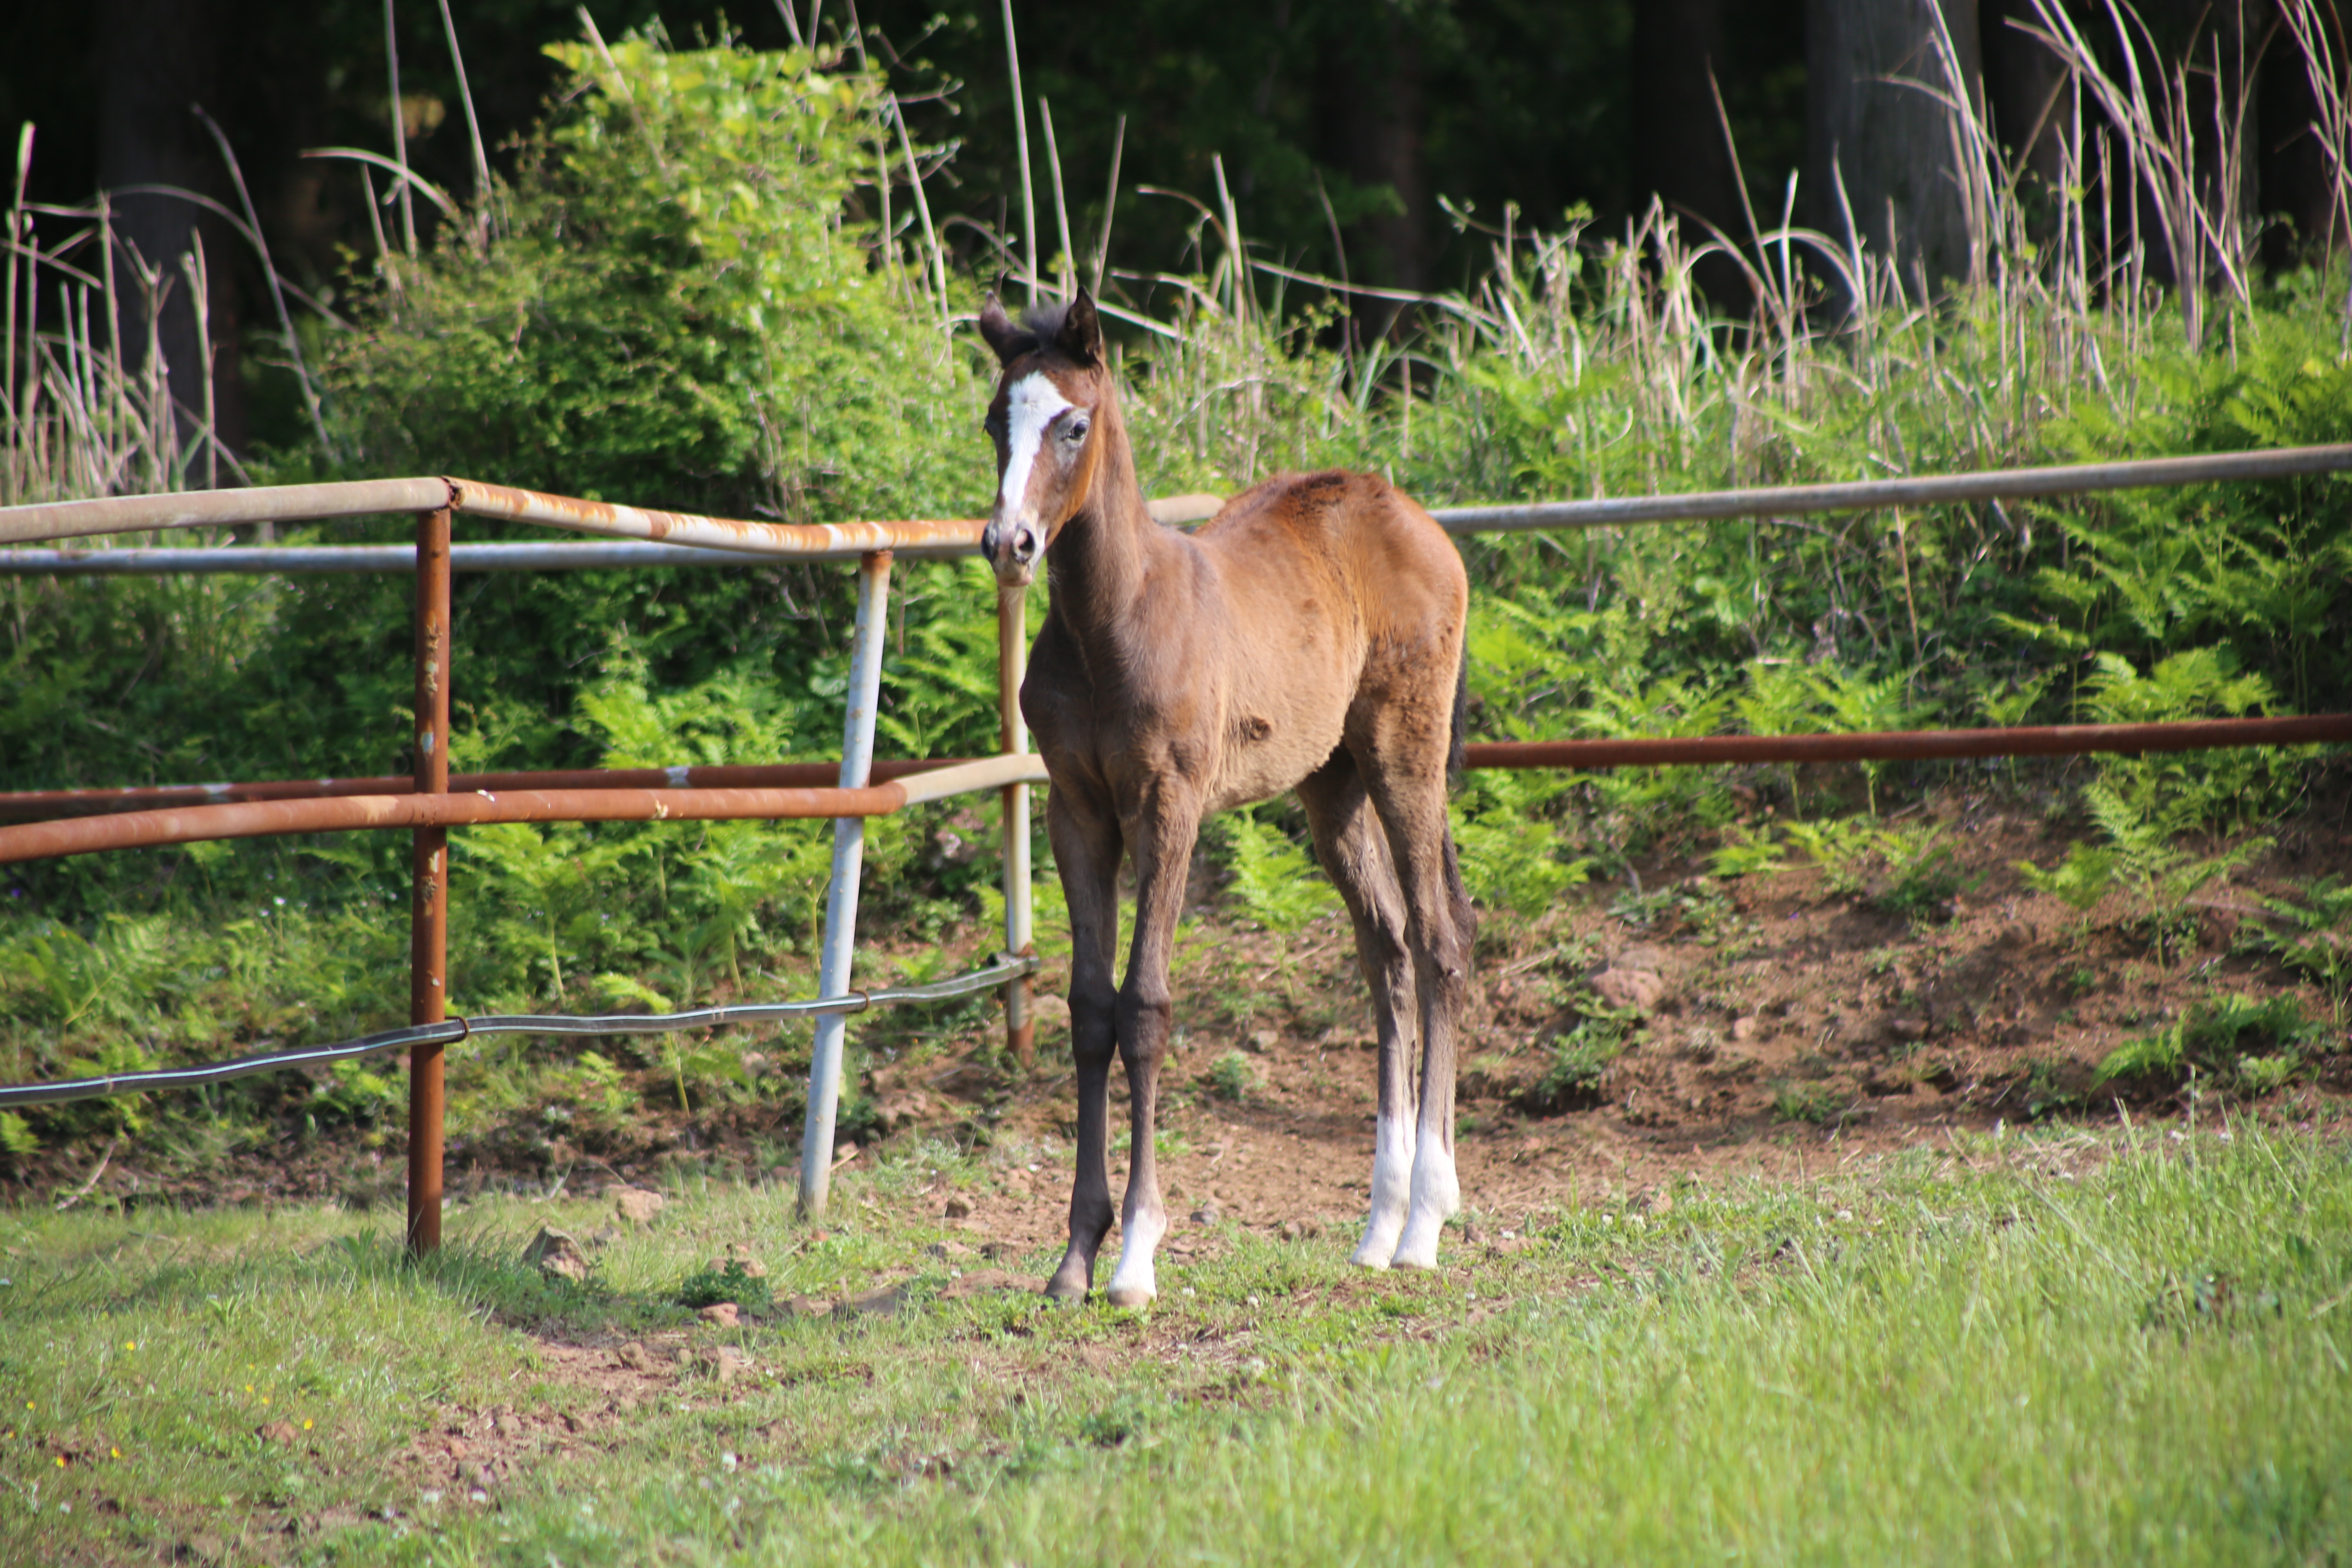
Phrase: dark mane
x=1044 y=322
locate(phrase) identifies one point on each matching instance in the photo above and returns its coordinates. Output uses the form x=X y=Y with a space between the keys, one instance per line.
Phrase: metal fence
x=433 y=801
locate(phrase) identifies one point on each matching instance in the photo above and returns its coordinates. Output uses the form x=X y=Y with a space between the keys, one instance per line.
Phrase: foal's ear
x=1009 y=340
x=1081 y=333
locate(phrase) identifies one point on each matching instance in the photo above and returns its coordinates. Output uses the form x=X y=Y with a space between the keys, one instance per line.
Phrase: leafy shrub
x=1816 y=1104
x=1581 y=1059
x=729 y=1282
x=1233 y=1076
x=671 y=307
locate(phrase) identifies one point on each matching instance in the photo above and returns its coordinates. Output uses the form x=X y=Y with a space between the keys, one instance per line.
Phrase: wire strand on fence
x=451 y=1031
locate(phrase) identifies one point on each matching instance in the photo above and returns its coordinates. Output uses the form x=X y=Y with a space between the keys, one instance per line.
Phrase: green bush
x=729 y=1282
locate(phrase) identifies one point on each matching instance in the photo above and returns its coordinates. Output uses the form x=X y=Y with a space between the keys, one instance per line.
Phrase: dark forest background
x=1356 y=138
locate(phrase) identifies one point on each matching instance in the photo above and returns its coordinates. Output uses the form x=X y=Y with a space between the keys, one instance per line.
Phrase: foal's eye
x=1075 y=433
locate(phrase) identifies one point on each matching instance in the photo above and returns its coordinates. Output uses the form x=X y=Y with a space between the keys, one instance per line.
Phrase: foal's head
x=1050 y=396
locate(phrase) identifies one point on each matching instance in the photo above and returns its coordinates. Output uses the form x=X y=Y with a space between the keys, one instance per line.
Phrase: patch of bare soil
x=1775 y=1024
x=1782 y=1025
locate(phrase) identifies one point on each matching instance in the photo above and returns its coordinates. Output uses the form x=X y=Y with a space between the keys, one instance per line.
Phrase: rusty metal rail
x=1918 y=746
x=916 y=538
x=708 y=793
x=434 y=809
x=753 y=776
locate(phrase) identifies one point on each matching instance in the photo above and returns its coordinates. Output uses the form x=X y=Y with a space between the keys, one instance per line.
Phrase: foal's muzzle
x=1012 y=549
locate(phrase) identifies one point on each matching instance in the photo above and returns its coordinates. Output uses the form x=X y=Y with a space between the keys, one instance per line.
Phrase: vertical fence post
x=841 y=894
x=429 y=919
x=1012 y=664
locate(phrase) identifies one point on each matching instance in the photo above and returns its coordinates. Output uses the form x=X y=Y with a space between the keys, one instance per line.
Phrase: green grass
x=2006 y=1350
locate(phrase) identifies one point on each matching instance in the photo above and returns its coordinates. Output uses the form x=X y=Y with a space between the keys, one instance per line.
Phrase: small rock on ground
x=982 y=1281
x=1637 y=988
x=882 y=1303
x=557 y=1255
x=636 y=1357
x=724 y=1363
x=636 y=1205
x=725 y=1314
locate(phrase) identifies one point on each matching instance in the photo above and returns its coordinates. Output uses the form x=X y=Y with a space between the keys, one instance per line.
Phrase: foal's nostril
x=1025 y=543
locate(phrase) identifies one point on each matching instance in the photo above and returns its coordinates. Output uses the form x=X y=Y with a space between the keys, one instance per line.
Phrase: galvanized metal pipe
x=136 y=514
x=833 y=962
x=451 y=1031
x=219 y=509
x=921 y=538
x=1945 y=490
x=429 y=921
x=1012 y=736
x=804 y=541
x=255 y=561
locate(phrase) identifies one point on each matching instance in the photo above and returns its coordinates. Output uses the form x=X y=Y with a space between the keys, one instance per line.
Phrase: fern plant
x=2317 y=942
x=2148 y=859
x=1275 y=881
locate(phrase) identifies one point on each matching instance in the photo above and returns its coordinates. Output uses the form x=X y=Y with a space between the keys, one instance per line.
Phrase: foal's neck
x=1102 y=560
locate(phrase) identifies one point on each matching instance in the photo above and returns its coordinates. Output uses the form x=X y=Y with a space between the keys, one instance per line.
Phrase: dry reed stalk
x=1110 y=204
x=1021 y=143
x=399 y=131
x=935 y=264
x=1065 y=274
x=269 y=270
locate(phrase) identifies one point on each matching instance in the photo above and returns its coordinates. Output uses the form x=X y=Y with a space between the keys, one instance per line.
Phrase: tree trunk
x=1680 y=153
x=1371 y=122
x=1890 y=144
x=156 y=57
x=2024 y=89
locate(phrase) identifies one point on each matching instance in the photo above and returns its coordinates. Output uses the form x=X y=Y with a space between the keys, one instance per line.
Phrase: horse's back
x=1353 y=529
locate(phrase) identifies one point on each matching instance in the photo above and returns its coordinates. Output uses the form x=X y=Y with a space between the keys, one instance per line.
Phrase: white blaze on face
x=1033 y=404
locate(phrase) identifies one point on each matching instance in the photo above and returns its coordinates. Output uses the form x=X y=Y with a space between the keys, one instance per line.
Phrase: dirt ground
x=1780 y=1024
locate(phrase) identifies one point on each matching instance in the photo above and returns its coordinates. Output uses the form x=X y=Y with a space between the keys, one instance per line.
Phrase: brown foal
x=1308 y=637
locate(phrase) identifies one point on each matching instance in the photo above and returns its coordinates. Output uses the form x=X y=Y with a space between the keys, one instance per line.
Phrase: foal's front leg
x=1086 y=850
x=1162 y=844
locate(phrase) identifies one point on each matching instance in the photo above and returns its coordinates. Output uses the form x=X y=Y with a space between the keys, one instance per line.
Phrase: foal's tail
x=1457 y=753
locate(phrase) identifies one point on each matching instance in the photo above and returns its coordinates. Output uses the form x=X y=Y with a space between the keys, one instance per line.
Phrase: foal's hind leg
x=1406 y=779
x=1355 y=854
